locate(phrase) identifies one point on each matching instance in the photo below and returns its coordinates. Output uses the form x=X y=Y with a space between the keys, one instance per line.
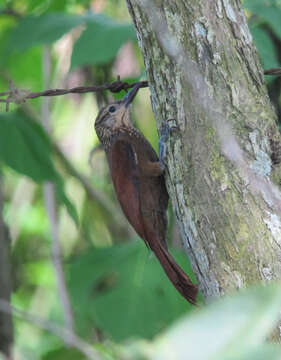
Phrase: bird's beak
x=131 y=95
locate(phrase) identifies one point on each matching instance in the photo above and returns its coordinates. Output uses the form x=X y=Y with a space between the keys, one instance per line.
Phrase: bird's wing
x=123 y=167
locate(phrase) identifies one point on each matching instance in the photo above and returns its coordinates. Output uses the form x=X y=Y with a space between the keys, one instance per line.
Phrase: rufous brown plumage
x=139 y=183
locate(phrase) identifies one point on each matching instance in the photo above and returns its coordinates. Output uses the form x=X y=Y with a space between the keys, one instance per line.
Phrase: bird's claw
x=164 y=133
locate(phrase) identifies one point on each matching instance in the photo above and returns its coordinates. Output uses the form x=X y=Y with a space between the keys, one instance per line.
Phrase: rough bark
x=204 y=73
x=6 y=326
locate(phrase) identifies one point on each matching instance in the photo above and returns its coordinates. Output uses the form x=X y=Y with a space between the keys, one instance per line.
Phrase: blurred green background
x=118 y=291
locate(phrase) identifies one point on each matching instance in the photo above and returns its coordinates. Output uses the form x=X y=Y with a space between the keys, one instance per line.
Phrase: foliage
x=49 y=28
x=265 y=20
x=100 y=30
x=117 y=289
x=230 y=328
x=234 y=327
x=145 y=298
x=33 y=153
x=90 y=47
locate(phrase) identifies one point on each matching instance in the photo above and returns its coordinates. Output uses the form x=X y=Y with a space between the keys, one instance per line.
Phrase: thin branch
x=273 y=71
x=49 y=197
x=61 y=332
x=18 y=96
x=50 y=204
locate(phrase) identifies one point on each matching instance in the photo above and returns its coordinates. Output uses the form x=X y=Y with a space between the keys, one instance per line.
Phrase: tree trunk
x=6 y=326
x=222 y=152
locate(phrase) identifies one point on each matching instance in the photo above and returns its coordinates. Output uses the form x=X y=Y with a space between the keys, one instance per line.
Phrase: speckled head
x=115 y=115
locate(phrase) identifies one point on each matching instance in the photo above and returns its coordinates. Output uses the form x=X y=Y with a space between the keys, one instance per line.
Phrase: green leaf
x=266 y=48
x=123 y=292
x=63 y=353
x=25 y=147
x=39 y=6
x=25 y=70
x=229 y=328
x=100 y=41
x=38 y=30
x=270 y=12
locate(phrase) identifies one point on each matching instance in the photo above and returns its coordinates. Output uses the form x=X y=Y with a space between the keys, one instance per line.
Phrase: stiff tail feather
x=176 y=275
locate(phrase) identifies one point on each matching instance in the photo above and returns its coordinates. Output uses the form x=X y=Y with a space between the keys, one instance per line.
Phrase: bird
x=138 y=178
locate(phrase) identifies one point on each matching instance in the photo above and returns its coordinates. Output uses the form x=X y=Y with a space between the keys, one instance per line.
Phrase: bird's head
x=115 y=115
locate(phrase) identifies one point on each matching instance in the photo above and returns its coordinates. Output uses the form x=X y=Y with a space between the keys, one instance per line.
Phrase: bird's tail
x=176 y=275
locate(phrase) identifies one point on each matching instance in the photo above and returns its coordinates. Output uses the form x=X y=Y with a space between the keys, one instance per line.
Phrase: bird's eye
x=112 y=109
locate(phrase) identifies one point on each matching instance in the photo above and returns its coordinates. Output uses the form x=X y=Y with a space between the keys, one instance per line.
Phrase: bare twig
x=61 y=332
x=18 y=96
x=273 y=71
x=50 y=203
x=49 y=196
